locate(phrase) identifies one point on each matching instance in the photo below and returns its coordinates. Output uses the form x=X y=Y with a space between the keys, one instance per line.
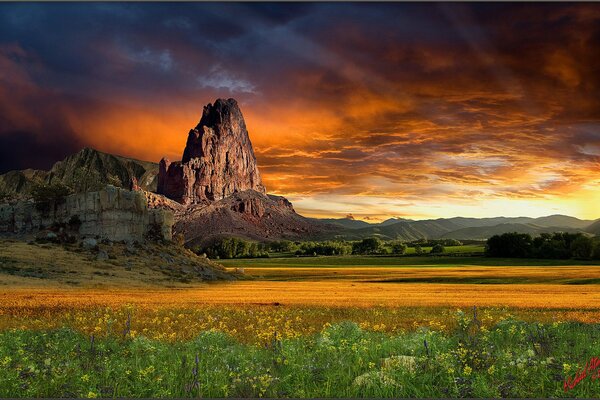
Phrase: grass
x=507 y=359
x=394 y=261
x=300 y=327
x=34 y=264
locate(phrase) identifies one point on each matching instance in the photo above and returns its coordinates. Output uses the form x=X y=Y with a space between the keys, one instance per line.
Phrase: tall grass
x=508 y=359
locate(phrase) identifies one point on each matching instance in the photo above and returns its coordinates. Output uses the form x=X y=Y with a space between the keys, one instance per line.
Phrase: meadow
x=359 y=326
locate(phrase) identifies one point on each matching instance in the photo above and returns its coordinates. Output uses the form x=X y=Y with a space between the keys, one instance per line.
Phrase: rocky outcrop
x=217 y=162
x=87 y=170
x=249 y=214
x=112 y=213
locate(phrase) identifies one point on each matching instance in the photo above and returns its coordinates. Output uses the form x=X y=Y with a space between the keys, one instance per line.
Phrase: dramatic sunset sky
x=378 y=110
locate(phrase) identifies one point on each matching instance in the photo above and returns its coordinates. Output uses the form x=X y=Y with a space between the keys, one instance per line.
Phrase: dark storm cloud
x=426 y=99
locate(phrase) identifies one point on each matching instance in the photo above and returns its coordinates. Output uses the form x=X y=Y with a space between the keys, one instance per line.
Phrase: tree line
x=242 y=248
x=558 y=245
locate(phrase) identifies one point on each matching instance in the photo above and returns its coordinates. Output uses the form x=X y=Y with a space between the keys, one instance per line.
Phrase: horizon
x=449 y=112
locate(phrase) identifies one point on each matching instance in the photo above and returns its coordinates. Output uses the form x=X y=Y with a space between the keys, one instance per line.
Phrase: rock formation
x=88 y=167
x=111 y=213
x=217 y=162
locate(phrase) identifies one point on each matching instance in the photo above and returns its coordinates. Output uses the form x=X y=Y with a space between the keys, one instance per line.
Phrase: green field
x=393 y=261
x=509 y=359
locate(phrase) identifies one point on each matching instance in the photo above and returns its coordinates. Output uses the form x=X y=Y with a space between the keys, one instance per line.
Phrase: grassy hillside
x=111 y=265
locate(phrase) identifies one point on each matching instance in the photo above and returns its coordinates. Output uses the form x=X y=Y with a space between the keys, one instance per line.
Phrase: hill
x=486 y=232
x=111 y=265
x=250 y=215
x=343 y=222
x=594 y=228
x=86 y=170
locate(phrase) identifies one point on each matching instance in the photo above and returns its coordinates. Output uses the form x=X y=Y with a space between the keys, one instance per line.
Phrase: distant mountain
x=405 y=230
x=594 y=228
x=344 y=222
x=562 y=220
x=392 y=221
x=486 y=232
x=87 y=165
x=481 y=222
x=468 y=228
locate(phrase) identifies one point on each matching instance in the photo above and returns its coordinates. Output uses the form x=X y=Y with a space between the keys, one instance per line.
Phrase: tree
x=367 y=246
x=87 y=180
x=596 y=250
x=437 y=249
x=418 y=250
x=398 y=247
x=582 y=247
x=43 y=192
x=517 y=245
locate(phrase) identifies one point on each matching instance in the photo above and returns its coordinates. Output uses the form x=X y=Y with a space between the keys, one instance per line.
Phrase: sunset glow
x=376 y=110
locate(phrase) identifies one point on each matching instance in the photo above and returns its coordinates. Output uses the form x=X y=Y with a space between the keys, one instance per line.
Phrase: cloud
x=423 y=104
x=219 y=78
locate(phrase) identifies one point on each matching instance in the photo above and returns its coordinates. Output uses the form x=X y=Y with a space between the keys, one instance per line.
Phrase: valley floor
x=303 y=327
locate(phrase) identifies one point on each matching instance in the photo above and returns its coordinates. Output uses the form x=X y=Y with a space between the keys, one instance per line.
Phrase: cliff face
x=217 y=162
x=111 y=213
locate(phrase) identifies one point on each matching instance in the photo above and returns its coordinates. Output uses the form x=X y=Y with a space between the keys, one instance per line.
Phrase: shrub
x=42 y=192
x=367 y=246
x=398 y=248
x=437 y=249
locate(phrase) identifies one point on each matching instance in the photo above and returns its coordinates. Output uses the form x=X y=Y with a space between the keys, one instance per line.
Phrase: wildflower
x=491 y=370
x=467 y=370
x=85 y=378
x=91 y=395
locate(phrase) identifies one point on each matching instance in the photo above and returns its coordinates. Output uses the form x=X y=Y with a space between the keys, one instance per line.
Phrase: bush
x=367 y=246
x=437 y=249
x=327 y=248
x=558 y=245
x=398 y=248
x=233 y=248
x=582 y=247
x=512 y=244
x=42 y=192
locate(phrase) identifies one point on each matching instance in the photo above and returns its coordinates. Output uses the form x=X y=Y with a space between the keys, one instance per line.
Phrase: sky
x=378 y=110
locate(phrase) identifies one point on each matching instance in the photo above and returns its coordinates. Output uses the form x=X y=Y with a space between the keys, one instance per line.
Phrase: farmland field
x=312 y=327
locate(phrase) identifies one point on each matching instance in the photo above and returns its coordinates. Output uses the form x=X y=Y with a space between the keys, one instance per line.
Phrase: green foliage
x=582 y=247
x=437 y=249
x=368 y=246
x=282 y=246
x=327 y=248
x=418 y=250
x=558 y=245
x=433 y=242
x=509 y=359
x=233 y=248
x=398 y=248
x=43 y=192
x=86 y=180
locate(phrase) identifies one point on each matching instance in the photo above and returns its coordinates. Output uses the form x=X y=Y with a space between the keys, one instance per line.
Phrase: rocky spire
x=218 y=159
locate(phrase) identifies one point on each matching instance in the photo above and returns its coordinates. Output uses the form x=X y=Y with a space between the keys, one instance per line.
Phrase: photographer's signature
x=591 y=369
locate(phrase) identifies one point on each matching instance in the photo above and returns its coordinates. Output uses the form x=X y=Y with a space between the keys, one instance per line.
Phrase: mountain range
x=216 y=190
x=146 y=173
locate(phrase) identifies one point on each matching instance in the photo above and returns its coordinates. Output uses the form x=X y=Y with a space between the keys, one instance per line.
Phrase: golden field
x=66 y=288
x=257 y=311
